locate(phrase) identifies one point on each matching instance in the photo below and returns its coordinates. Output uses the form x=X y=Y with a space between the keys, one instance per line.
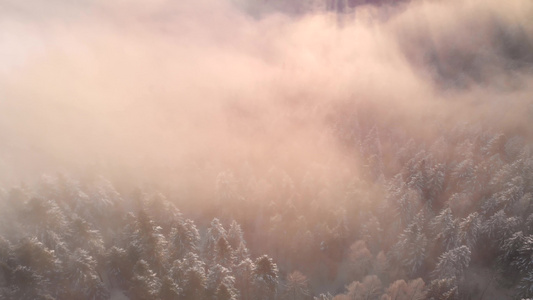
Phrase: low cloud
x=155 y=85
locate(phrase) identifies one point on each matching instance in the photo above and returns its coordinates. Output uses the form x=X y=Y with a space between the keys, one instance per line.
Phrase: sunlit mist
x=254 y=149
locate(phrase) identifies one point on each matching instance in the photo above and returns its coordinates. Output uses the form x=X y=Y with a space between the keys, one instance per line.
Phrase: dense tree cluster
x=65 y=240
x=442 y=217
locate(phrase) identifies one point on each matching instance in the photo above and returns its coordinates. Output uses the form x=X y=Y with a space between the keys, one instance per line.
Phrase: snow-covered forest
x=276 y=150
x=449 y=218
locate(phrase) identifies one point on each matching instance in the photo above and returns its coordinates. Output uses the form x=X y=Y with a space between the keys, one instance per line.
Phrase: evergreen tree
x=162 y=210
x=523 y=260
x=118 y=266
x=95 y=289
x=235 y=235
x=327 y=296
x=508 y=259
x=195 y=284
x=244 y=272
x=411 y=249
x=296 y=287
x=7 y=254
x=216 y=276
x=169 y=289
x=470 y=229
x=225 y=292
x=223 y=254
x=400 y=290
x=370 y=288
x=453 y=263
x=42 y=217
x=265 y=278
x=33 y=254
x=445 y=229
x=499 y=227
x=183 y=238
x=214 y=233
x=84 y=281
x=443 y=289
x=82 y=236
x=26 y=284
x=360 y=259
x=145 y=285
x=525 y=287
x=180 y=268
x=149 y=241
x=241 y=253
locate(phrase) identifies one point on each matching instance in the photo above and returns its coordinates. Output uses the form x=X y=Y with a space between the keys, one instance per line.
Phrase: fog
x=164 y=82
x=174 y=93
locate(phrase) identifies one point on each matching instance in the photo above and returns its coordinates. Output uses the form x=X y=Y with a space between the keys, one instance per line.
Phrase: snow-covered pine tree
x=217 y=275
x=183 y=238
x=265 y=278
x=244 y=272
x=498 y=228
x=453 y=263
x=214 y=233
x=445 y=228
x=145 y=284
x=169 y=289
x=443 y=289
x=411 y=249
x=469 y=230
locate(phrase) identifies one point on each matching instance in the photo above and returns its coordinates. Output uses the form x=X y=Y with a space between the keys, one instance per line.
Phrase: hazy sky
x=139 y=83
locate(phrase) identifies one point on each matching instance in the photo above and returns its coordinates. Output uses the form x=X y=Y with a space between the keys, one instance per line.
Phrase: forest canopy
x=253 y=149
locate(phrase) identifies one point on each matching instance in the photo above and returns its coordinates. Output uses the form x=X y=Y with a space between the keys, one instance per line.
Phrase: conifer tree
x=265 y=278
x=296 y=287
x=453 y=263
